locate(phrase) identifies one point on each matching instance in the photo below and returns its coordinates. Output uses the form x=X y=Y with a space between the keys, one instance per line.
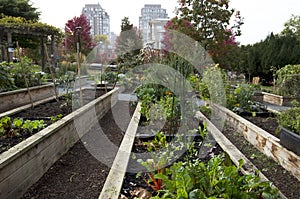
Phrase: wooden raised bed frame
x=22 y=165
x=113 y=183
x=13 y=99
x=274 y=99
x=262 y=140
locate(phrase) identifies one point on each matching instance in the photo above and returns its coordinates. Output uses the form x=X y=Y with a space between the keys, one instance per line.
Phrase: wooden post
x=51 y=72
x=43 y=53
x=24 y=75
x=10 y=47
x=2 y=47
x=79 y=63
x=53 y=58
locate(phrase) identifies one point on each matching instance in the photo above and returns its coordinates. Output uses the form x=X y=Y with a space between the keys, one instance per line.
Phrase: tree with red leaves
x=71 y=38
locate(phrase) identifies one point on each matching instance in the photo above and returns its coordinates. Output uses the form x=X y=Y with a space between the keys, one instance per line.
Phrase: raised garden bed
x=137 y=187
x=64 y=193
x=262 y=140
x=80 y=173
x=274 y=99
x=23 y=164
x=13 y=99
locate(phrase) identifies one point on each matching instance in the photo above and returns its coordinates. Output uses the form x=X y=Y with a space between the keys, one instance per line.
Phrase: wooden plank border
x=114 y=180
x=233 y=152
x=262 y=140
x=22 y=165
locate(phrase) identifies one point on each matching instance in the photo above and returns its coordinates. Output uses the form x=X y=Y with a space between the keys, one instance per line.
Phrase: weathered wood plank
x=22 y=165
x=114 y=180
x=233 y=152
x=263 y=141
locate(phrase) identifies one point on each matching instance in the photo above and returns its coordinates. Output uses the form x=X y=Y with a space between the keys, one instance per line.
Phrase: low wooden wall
x=23 y=165
x=234 y=153
x=13 y=99
x=274 y=99
x=262 y=140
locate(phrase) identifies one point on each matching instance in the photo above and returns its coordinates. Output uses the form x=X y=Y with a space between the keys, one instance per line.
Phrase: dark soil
x=268 y=124
x=281 y=178
x=78 y=174
x=132 y=183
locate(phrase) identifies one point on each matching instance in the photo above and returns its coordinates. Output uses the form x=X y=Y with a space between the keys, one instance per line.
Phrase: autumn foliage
x=70 y=41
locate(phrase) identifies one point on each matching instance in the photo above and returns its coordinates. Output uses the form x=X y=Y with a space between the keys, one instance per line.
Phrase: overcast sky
x=261 y=17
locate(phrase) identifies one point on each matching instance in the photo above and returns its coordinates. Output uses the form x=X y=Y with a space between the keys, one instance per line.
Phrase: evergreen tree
x=19 y=8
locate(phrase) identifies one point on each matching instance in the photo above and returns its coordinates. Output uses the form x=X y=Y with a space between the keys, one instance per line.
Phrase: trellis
x=16 y=26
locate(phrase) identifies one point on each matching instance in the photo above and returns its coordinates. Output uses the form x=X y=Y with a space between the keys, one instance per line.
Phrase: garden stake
x=24 y=75
x=51 y=72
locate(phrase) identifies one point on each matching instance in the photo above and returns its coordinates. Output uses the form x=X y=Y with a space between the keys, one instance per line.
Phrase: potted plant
x=289 y=128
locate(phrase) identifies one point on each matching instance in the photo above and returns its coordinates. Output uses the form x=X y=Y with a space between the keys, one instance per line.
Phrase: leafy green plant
x=147 y=96
x=288 y=80
x=11 y=128
x=194 y=80
x=212 y=180
x=65 y=81
x=110 y=76
x=160 y=141
x=206 y=110
x=161 y=155
x=171 y=108
x=243 y=97
x=55 y=118
x=290 y=118
x=33 y=73
x=6 y=80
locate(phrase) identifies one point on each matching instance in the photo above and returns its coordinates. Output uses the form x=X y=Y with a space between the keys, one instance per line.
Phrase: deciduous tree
x=292 y=26
x=71 y=37
x=211 y=20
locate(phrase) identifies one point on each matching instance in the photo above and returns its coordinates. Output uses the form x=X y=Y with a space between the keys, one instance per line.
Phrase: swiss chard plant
x=211 y=180
x=12 y=128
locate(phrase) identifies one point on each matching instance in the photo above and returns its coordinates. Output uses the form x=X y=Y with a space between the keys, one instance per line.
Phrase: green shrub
x=6 y=79
x=288 y=80
x=33 y=73
x=290 y=118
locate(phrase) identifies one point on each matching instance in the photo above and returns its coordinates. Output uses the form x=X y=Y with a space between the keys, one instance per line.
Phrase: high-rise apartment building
x=148 y=13
x=98 y=18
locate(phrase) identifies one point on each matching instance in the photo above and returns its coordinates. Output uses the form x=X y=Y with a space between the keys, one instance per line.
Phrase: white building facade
x=151 y=17
x=98 y=18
